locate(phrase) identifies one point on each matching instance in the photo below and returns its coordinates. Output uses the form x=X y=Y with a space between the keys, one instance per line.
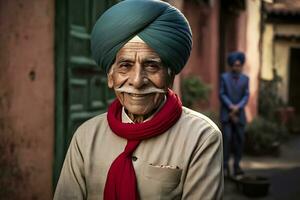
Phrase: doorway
x=294 y=77
x=81 y=86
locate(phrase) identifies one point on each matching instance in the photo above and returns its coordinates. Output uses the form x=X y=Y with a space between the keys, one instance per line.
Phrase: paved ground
x=283 y=171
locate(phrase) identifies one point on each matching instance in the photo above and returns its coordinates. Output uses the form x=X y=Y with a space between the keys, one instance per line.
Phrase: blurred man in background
x=234 y=94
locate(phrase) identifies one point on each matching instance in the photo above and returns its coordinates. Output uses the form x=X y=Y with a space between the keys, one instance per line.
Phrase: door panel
x=87 y=87
x=79 y=12
x=81 y=86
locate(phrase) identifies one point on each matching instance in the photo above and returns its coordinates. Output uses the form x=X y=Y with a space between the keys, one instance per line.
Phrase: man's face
x=237 y=67
x=138 y=78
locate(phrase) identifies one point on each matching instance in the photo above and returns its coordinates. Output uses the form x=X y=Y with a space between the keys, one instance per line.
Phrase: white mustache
x=147 y=90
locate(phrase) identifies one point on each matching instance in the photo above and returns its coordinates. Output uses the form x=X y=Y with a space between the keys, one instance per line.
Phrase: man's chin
x=140 y=111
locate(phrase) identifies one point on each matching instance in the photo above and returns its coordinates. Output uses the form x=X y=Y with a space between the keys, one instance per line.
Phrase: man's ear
x=171 y=78
x=110 y=81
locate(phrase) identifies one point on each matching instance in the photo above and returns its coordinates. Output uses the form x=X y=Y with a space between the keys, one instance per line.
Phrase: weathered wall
x=235 y=24
x=244 y=35
x=203 y=62
x=267 y=52
x=242 y=31
x=287 y=29
x=252 y=66
x=26 y=98
x=176 y=86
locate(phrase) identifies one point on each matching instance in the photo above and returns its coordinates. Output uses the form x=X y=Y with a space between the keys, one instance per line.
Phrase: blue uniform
x=234 y=90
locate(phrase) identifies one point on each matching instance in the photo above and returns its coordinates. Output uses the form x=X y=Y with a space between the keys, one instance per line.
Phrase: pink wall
x=251 y=108
x=27 y=98
x=204 y=60
x=237 y=40
x=204 y=21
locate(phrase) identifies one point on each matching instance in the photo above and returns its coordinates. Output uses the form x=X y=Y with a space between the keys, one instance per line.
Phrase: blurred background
x=49 y=85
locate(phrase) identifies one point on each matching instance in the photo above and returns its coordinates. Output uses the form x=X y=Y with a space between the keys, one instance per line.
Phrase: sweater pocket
x=163 y=173
x=160 y=182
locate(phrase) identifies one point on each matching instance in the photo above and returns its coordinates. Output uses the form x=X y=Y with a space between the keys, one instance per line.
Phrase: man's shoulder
x=92 y=124
x=198 y=119
x=96 y=120
x=195 y=128
x=245 y=76
x=225 y=74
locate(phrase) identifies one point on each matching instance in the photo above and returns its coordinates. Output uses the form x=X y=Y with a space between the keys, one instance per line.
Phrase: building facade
x=281 y=48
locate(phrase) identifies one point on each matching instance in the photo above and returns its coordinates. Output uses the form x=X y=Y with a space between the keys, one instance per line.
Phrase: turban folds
x=158 y=24
x=234 y=56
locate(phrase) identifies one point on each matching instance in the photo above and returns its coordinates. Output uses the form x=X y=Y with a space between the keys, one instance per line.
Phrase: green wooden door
x=81 y=87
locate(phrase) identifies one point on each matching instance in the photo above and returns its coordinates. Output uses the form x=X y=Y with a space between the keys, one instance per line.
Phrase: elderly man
x=147 y=146
x=234 y=94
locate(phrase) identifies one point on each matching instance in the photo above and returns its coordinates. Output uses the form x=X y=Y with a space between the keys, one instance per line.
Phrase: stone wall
x=26 y=98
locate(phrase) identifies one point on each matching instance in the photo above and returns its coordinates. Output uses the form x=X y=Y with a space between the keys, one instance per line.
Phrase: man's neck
x=235 y=73
x=139 y=118
x=142 y=118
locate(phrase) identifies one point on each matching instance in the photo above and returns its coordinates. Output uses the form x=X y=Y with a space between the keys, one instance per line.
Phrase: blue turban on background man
x=234 y=56
x=158 y=24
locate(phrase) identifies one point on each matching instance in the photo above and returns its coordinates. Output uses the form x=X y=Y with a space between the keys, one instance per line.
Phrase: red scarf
x=121 y=181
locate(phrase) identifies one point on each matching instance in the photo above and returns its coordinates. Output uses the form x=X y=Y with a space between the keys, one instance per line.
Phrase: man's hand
x=234 y=108
x=233 y=115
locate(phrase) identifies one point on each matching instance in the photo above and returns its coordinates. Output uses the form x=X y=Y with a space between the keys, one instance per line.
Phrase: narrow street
x=283 y=171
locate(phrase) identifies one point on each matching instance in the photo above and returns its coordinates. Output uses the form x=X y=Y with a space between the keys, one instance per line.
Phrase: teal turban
x=158 y=24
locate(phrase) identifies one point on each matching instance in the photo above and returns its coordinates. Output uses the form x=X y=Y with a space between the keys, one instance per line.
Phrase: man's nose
x=138 y=77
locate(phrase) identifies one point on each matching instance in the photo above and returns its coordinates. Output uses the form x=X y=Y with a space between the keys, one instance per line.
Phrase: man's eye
x=152 y=67
x=125 y=65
